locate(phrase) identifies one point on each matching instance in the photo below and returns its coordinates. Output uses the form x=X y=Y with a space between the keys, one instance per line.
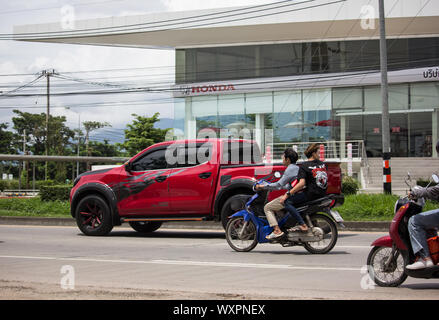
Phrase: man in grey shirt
x=289 y=159
x=418 y=226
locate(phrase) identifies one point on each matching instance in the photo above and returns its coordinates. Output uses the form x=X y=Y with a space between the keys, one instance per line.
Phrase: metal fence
x=333 y=150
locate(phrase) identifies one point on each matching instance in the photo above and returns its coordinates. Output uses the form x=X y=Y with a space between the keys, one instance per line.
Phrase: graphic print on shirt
x=321 y=176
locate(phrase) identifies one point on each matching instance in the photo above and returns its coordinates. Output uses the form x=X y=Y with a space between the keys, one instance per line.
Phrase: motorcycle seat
x=319 y=201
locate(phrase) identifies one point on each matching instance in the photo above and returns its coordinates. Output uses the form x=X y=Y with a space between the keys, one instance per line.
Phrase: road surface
x=41 y=262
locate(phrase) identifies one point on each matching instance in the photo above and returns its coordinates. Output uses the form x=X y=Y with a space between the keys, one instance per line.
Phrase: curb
x=381 y=226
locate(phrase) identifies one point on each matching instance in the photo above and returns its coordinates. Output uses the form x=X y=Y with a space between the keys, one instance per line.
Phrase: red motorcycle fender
x=385 y=241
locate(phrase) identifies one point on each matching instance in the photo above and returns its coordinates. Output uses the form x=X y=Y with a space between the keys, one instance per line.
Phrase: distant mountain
x=165 y=123
x=117 y=135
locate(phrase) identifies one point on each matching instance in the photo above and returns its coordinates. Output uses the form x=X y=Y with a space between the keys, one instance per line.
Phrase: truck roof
x=203 y=140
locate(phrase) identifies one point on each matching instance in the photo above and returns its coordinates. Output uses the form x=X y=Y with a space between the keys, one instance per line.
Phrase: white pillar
x=434 y=132
x=342 y=136
x=259 y=130
x=190 y=126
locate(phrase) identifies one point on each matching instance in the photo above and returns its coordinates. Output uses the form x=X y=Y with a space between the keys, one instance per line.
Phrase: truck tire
x=145 y=226
x=93 y=216
x=233 y=204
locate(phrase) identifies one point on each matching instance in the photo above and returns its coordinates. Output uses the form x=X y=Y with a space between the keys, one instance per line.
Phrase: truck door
x=144 y=190
x=192 y=180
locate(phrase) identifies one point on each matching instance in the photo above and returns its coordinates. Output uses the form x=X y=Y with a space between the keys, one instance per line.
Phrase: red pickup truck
x=175 y=180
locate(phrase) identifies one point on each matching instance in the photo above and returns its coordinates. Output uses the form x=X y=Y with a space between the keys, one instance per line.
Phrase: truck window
x=238 y=152
x=152 y=161
x=191 y=155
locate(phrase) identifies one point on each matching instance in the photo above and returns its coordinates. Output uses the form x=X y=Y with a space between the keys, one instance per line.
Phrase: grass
x=373 y=207
x=360 y=207
x=34 y=207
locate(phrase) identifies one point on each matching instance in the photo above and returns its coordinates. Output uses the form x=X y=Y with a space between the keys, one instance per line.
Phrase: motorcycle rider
x=419 y=224
x=289 y=159
x=313 y=181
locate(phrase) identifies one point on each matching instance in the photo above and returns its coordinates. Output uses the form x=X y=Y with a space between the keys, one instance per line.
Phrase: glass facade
x=329 y=114
x=314 y=114
x=288 y=59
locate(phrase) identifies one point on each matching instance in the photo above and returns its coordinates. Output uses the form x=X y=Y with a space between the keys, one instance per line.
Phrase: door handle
x=205 y=175
x=160 y=178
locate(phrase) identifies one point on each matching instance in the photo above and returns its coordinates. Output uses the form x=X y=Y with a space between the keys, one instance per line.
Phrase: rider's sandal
x=274 y=236
x=298 y=228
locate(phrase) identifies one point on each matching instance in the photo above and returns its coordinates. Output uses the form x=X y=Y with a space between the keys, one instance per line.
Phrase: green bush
x=3 y=185
x=424 y=182
x=349 y=186
x=13 y=184
x=40 y=183
x=53 y=193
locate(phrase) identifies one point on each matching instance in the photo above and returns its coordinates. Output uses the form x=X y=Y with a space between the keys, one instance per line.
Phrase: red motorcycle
x=391 y=254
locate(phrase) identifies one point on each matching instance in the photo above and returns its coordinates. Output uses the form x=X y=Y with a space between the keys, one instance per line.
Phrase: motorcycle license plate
x=337 y=217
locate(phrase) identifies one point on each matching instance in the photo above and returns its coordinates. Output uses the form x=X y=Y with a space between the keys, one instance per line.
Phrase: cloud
x=146 y=66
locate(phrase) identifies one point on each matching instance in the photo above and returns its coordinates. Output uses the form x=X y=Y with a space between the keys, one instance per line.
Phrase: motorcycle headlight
x=399 y=203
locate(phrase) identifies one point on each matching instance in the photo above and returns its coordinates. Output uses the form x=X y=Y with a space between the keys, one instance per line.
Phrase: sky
x=147 y=66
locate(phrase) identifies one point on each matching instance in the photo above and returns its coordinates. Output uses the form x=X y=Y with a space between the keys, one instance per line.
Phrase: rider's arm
x=290 y=173
x=430 y=193
x=297 y=187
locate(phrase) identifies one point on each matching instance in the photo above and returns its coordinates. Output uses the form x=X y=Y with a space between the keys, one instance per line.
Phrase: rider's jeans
x=418 y=226
x=270 y=210
x=291 y=201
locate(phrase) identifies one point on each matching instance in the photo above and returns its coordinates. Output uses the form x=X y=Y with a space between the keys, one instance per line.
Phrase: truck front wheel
x=93 y=216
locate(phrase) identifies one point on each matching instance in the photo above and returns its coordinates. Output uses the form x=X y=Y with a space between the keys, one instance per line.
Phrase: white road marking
x=190 y=263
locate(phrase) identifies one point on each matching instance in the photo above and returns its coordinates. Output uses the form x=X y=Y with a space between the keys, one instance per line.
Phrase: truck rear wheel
x=233 y=204
x=145 y=226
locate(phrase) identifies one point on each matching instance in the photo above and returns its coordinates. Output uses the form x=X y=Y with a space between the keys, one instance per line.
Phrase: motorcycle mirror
x=408 y=174
x=435 y=178
x=277 y=174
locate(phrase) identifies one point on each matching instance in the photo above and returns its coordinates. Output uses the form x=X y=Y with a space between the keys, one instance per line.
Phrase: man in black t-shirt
x=313 y=182
x=314 y=173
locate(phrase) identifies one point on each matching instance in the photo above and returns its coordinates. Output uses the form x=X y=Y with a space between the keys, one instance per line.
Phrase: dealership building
x=290 y=72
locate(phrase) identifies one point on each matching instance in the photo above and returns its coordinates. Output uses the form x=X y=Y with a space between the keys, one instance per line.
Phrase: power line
x=23 y=86
x=169 y=89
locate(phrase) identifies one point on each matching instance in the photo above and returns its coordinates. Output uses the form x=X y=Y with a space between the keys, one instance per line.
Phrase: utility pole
x=25 y=167
x=47 y=74
x=79 y=138
x=387 y=177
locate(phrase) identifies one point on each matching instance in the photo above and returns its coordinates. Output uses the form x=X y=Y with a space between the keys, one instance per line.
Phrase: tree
x=99 y=149
x=33 y=128
x=89 y=127
x=142 y=134
x=6 y=147
x=6 y=140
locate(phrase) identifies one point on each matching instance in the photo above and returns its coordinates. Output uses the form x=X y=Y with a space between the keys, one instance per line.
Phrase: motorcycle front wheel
x=383 y=272
x=241 y=235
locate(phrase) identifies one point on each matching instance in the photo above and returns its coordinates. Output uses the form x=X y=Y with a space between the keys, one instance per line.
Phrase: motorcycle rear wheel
x=329 y=238
x=238 y=239
x=392 y=276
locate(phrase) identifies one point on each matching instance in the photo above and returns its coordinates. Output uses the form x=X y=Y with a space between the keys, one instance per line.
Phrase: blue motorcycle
x=249 y=226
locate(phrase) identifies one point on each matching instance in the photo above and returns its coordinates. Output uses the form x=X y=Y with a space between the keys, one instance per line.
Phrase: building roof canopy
x=244 y=25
